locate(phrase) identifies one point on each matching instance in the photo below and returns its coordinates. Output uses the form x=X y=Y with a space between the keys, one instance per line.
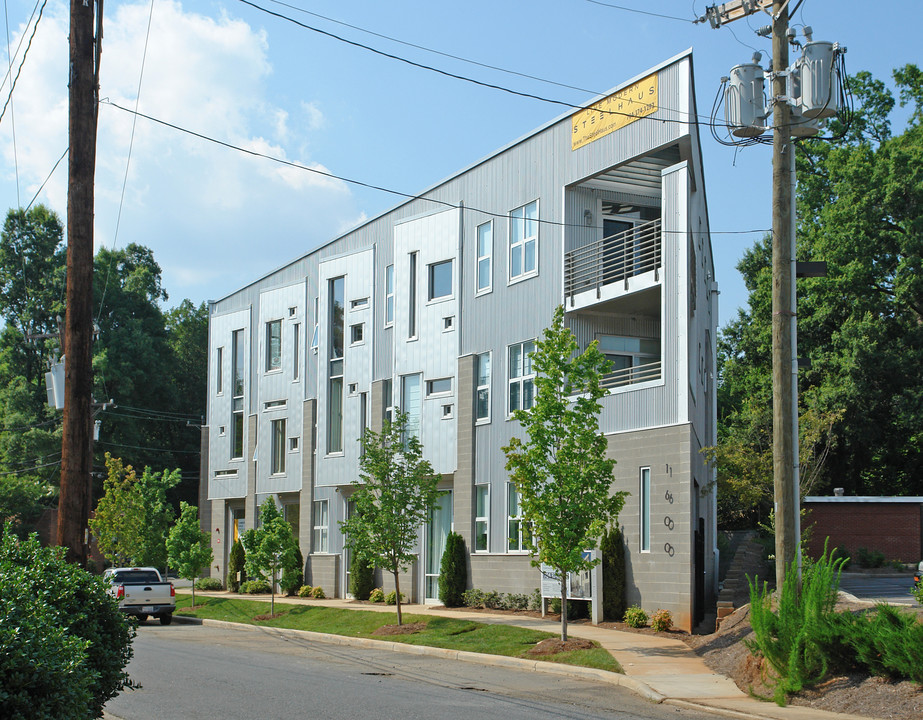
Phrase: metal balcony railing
x=632 y=375
x=613 y=259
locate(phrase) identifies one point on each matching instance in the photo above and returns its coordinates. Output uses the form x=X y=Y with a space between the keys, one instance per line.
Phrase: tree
x=361 y=577
x=236 y=562
x=612 y=548
x=394 y=493
x=453 y=571
x=561 y=472
x=270 y=547
x=188 y=546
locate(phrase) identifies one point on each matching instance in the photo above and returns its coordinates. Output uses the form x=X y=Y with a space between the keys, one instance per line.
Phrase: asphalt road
x=188 y=672
x=878 y=588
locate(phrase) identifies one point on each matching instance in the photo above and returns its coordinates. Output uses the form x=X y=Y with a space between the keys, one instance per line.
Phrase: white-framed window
x=387 y=400
x=359 y=303
x=389 y=296
x=273 y=345
x=439 y=280
x=315 y=337
x=274 y=404
x=336 y=323
x=321 y=524
x=645 y=497
x=237 y=394
x=356 y=333
x=482 y=518
x=517 y=532
x=521 y=376
x=439 y=386
x=411 y=404
x=523 y=259
x=293 y=444
x=485 y=248
x=412 y=296
x=219 y=371
x=296 y=351
x=482 y=398
x=448 y=323
x=277 y=447
x=447 y=412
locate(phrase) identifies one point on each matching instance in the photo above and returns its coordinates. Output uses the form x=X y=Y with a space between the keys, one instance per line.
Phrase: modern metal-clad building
x=434 y=306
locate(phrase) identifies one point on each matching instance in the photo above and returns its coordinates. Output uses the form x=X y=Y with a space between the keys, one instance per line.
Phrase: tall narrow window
x=387 y=401
x=522 y=376
x=336 y=322
x=389 y=295
x=523 y=240
x=296 y=351
x=219 y=371
x=315 y=337
x=482 y=411
x=237 y=394
x=277 y=447
x=411 y=404
x=321 y=524
x=645 y=496
x=482 y=517
x=517 y=532
x=485 y=255
x=440 y=280
x=412 y=293
x=273 y=345
x=363 y=420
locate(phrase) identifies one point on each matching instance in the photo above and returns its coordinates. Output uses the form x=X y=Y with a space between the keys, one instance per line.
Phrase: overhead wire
x=9 y=98
x=641 y=12
x=45 y=181
x=6 y=15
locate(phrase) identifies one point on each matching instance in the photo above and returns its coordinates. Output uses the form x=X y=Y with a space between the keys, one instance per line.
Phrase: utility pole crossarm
x=718 y=15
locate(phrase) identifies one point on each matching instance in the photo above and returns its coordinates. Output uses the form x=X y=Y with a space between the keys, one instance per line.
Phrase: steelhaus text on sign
x=614 y=112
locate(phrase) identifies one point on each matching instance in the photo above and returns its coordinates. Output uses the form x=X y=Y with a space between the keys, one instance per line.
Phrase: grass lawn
x=451 y=633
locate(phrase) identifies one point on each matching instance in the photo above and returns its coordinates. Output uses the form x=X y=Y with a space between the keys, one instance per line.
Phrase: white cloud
x=214 y=217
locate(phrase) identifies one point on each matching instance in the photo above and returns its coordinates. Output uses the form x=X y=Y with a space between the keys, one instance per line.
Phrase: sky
x=217 y=218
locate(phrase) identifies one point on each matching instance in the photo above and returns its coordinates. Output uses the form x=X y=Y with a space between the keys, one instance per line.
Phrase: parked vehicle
x=142 y=592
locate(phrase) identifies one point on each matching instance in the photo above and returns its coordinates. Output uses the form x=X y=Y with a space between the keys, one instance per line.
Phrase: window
x=411 y=405
x=336 y=322
x=237 y=397
x=485 y=255
x=387 y=402
x=412 y=314
x=389 y=295
x=448 y=323
x=219 y=371
x=277 y=447
x=633 y=359
x=523 y=240
x=274 y=404
x=442 y=386
x=273 y=345
x=440 y=280
x=356 y=333
x=292 y=515
x=645 y=496
x=363 y=420
x=296 y=350
x=482 y=517
x=447 y=412
x=482 y=403
x=359 y=303
x=517 y=531
x=315 y=337
x=293 y=444
x=320 y=526
x=522 y=377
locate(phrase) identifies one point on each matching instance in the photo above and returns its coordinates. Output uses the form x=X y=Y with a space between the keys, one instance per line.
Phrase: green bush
x=236 y=561
x=305 y=591
x=635 y=617
x=318 y=593
x=841 y=554
x=612 y=547
x=377 y=595
x=453 y=571
x=917 y=591
x=208 y=583
x=64 y=644
x=292 y=573
x=361 y=577
x=535 y=600
x=473 y=598
x=662 y=620
x=391 y=598
x=870 y=558
x=255 y=587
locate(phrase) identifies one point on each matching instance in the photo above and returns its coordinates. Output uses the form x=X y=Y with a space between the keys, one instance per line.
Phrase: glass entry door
x=437 y=529
x=347 y=552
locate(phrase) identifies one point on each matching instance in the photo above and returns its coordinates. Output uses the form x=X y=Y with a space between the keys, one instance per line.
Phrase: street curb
x=618 y=679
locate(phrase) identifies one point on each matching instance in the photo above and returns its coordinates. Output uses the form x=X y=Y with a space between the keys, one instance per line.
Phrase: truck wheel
x=142 y=618
x=166 y=619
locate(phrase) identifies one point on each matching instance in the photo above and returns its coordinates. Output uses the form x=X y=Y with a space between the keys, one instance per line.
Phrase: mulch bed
x=553 y=646
x=408 y=629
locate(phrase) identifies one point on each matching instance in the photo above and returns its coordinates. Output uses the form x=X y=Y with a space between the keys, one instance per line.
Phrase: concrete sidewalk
x=661 y=669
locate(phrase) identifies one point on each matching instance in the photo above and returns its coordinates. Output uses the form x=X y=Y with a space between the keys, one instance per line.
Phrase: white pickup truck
x=142 y=592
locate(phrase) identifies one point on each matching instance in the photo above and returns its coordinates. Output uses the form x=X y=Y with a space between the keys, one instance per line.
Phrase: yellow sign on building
x=614 y=112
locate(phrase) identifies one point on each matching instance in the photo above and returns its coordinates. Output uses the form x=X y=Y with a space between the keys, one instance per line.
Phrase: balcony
x=632 y=375
x=612 y=260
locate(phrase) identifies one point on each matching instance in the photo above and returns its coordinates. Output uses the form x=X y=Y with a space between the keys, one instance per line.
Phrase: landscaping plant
x=188 y=546
x=612 y=548
x=453 y=571
x=236 y=562
x=361 y=577
x=635 y=617
x=662 y=620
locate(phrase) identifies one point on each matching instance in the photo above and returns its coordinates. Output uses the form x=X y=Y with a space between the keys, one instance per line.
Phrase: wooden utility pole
x=782 y=419
x=76 y=460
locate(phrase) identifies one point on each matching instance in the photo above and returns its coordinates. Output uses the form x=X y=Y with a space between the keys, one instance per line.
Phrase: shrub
x=492 y=600
x=612 y=547
x=391 y=598
x=841 y=554
x=255 y=587
x=917 y=591
x=515 y=601
x=453 y=571
x=305 y=591
x=64 y=644
x=535 y=600
x=318 y=593
x=662 y=620
x=473 y=598
x=377 y=595
x=635 y=617
x=236 y=561
x=208 y=583
x=292 y=572
x=870 y=558
x=361 y=577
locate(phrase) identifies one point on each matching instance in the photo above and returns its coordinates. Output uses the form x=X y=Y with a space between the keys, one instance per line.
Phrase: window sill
x=482 y=421
x=482 y=293
x=337 y=454
x=274 y=371
x=442 y=299
x=521 y=278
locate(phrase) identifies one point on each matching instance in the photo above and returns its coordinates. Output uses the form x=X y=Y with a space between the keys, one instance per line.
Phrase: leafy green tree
x=270 y=547
x=561 y=472
x=236 y=562
x=612 y=548
x=394 y=493
x=453 y=571
x=361 y=577
x=158 y=514
x=188 y=546
x=64 y=644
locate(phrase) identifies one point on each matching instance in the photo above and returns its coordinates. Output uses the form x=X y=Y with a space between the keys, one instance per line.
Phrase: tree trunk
x=193 y=594
x=563 y=605
x=397 y=594
x=272 y=592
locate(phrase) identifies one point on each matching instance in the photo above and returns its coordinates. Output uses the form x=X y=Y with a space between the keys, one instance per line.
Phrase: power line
x=640 y=12
x=24 y=55
x=169 y=451
x=45 y=181
x=162 y=413
x=31 y=469
x=359 y=183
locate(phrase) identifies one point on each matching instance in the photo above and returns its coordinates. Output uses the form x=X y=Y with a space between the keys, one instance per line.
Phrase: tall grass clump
x=791 y=636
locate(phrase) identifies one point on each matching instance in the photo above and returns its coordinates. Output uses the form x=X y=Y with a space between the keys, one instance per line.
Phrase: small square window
x=446 y=412
x=448 y=323
x=293 y=444
x=356 y=333
x=292 y=311
x=353 y=388
x=222 y=430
